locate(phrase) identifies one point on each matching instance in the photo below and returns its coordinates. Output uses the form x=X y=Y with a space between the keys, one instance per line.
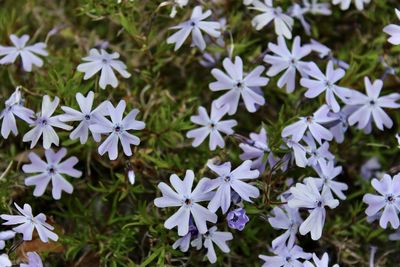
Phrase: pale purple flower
x=86 y=116
x=311 y=123
x=327 y=172
x=315 y=8
x=14 y=107
x=187 y=201
x=228 y=180
x=52 y=170
x=5 y=260
x=28 y=223
x=388 y=200
x=393 y=30
x=323 y=262
x=282 y=22
x=177 y=4
x=218 y=238
x=317 y=155
x=44 y=123
x=286 y=256
x=237 y=219
x=117 y=130
x=298 y=153
x=27 y=53
x=290 y=61
x=287 y=219
x=370 y=106
x=297 y=11
x=238 y=85
x=340 y=125
x=34 y=260
x=370 y=168
x=308 y=196
x=4 y=236
x=345 y=4
x=183 y=243
x=194 y=26
x=255 y=150
x=319 y=83
x=106 y=63
x=211 y=126
x=324 y=51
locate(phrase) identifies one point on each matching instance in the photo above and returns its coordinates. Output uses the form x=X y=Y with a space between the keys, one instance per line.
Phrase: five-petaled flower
x=394 y=31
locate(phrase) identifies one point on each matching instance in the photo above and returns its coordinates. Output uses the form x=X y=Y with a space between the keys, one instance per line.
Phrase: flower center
x=104 y=61
x=188 y=201
x=118 y=128
x=319 y=203
x=192 y=23
x=87 y=117
x=235 y=218
x=43 y=121
x=328 y=84
x=390 y=198
x=227 y=178
x=372 y=102
x=309 y=119
x=51 y=170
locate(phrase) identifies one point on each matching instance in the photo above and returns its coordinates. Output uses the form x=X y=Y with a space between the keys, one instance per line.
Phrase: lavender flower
x=117 y=130
x=317 y=155
x=218 y=238
x=370 y=168
x=86 y=116
x=5 y=235
x=311 y=123
x=371 y=106
x=307 y=196
x=194 y=26
x=340 y=125
x=283 y=59
x=177 y=4
x=53 y=169
x=388 y=200
x=14 y=107
x=345 y=4
x=283 y=23
x=211 y=126
x=44 y=123
x=393 y=30
x=256 y=149
x=187 y=200
x=34 y=260
x=5 y=260
x=325 y=83
x=184 y=242
x=327 y=173
x=287 y=219
x=228 y=180
x=324 y=51
x=27 y=53
x=323 y=262
x=285 y=256
x=106 y=63
x=237 y=219
x=237 y=85
x=28 y=223
x=298 y=152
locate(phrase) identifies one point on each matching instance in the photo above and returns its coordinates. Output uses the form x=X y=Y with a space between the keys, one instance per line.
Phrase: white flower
x=44 y=123
x=104 y=62
x=394 y=31
x=283 y=23
x=27 y=53
x=345 y=4
x=195 y=25
x=290 y=61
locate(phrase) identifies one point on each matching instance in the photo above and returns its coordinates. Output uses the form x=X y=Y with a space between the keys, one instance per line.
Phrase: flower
x=325 y=83
x=283 y=59
x=237 y=85
x=327 y=173
x=323 y=262
x=228 y=180
x=298 y=152
x=28 y=223
x=283 y=23
x=5 y=235
x=288 y=219
x=211 y=126
x=237 y=219
x=5 y=260
x=311 y=123
x=370 y=168
x=394 y=31
x=317 y=155
x=340 y=125
x=286 y=256
x=184 y=242
x=86 y=116
x=34 y=260
x=324 y=51
x=345 y=4
x=371 y=106
x=14 y=107
x=220 y=239
x=117 y=130
x=186 y=199
x=194 y=26
x=316 y=8
x=255 y=149
x=27 y=53
x=388 y=200
x=106 y=63
x=51 y=169
x=177 y=4
x=308 y=196
x=44 y=123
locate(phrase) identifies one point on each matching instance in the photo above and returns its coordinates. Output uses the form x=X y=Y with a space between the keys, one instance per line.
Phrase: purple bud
x=237 y=219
